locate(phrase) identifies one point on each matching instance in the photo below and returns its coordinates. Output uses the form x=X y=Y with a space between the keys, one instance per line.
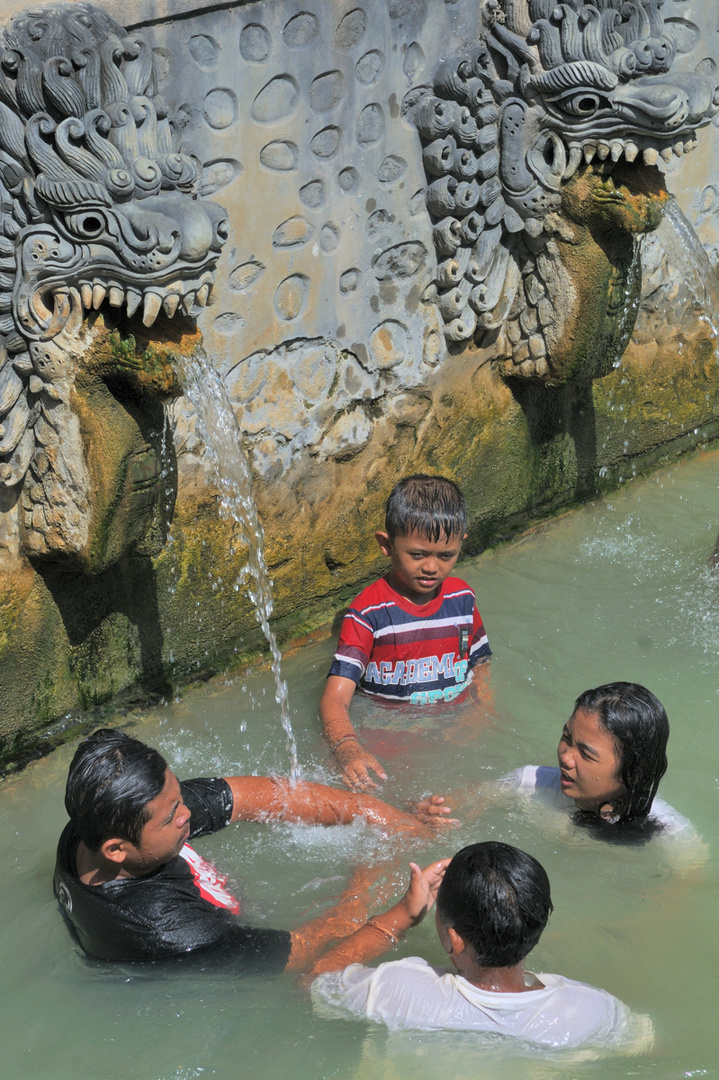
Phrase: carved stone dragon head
x=541 y=147
x=98 y=205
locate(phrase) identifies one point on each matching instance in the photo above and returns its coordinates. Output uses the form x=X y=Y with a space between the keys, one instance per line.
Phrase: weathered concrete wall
x=334 y=354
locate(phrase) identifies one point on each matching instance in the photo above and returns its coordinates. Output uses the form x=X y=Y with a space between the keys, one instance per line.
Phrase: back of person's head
x=430 y=505
x=637 y=722
x=111 y=780
x=498 y=900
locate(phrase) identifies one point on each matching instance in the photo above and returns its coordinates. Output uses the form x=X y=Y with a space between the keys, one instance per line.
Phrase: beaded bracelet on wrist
x=345 y=738
x=382 y=930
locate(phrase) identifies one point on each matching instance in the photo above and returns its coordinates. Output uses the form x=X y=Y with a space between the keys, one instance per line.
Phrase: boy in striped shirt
x=415 y=635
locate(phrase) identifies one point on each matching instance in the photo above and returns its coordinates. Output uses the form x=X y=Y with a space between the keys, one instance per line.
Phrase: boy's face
x=163 y=834
x=419 y=565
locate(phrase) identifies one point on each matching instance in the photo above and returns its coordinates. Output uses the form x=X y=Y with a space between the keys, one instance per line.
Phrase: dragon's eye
x=582 y=103
x=89 y=224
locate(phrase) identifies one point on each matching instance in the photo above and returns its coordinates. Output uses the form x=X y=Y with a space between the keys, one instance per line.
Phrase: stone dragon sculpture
x=540 y=148
x=97 y=204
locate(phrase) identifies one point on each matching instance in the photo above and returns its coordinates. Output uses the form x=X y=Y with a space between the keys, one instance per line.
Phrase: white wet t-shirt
x=679 y=839
x=411 y=993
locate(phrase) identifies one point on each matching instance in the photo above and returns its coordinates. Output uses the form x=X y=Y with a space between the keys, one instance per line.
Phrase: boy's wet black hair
x=498 y=900
x=638 y=724
x=111 y=780
x=431 y=505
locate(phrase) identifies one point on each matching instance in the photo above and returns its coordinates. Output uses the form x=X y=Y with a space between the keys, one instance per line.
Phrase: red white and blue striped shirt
x=406 y=652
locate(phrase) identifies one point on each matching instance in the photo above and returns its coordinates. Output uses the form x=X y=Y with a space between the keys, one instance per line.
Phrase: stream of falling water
x=217 y=428
x=686 y=253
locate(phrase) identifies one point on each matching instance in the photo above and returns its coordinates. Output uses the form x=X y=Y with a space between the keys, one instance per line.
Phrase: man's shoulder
x=209 y=800
x=124 y=919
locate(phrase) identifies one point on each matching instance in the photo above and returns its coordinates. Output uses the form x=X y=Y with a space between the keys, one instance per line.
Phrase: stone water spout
x=99 y=207
x=541 y=146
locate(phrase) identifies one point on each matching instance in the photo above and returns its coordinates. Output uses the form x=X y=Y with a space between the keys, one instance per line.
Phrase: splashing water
x=686 y=252
x=217 y=427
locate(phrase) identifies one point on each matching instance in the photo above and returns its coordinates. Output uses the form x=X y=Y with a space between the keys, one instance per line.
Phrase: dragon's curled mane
x=97 y=203
x=550 y=92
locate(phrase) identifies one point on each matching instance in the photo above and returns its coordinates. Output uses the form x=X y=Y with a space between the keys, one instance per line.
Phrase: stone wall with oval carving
x=327 y=323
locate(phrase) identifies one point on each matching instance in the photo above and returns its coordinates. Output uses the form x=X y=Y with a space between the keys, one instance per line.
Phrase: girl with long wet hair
x=611 y=757
x=616 y=738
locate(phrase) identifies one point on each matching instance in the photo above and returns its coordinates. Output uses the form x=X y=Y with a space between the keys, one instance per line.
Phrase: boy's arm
x=383 y=931
x=261 y=798
x=337 y=728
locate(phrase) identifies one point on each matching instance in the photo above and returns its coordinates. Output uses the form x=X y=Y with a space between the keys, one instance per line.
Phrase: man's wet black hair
x=111 y=780
x=498 y=900
x=430 y=505
x=638 y=724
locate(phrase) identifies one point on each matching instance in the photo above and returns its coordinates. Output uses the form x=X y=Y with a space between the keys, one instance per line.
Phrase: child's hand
x=355 y=763
x=423 y=888
x=432 y=811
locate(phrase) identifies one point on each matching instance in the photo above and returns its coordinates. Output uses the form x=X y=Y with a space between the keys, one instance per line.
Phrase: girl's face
x=589 y=762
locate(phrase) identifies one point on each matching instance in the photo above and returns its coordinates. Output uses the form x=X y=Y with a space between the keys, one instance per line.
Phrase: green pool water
x=621 y=589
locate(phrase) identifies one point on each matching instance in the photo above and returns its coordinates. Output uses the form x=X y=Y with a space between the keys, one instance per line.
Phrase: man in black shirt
x=134 y=889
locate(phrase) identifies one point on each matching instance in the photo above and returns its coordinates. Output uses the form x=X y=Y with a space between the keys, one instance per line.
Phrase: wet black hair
x=111 y=780
x=498 y=900
x=432 y=505
x=638 y=724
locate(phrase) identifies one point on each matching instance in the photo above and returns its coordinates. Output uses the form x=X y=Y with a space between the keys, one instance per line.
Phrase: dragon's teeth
x=603 y=151
x=188 y=301
x=630 y=151
x=151 y=310
x=575 y=160
x=616 y=150
x=133 y=301
x=679 y=148
x=170 y=304
x=650 y=155
x=589 y=152
x=202 y=294
x=98 y=295
x=86 y=294
x=116 y=296
x=667 y=153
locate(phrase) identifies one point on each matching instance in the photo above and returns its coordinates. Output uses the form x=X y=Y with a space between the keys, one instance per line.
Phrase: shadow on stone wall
x=129 y=589
x=553 y=412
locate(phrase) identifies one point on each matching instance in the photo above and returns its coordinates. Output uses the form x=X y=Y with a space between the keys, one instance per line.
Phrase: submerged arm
x=339 y=921
x=337 y=728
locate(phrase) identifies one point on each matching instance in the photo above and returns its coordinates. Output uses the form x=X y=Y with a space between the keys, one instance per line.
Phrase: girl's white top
x=680 y=842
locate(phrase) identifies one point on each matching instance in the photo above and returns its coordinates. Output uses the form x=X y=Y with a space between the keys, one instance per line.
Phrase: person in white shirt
x=493 y=902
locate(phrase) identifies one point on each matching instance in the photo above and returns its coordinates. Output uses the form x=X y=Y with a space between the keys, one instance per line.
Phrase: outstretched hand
x=382 y=931
x=423 y=888
x=432 y=811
